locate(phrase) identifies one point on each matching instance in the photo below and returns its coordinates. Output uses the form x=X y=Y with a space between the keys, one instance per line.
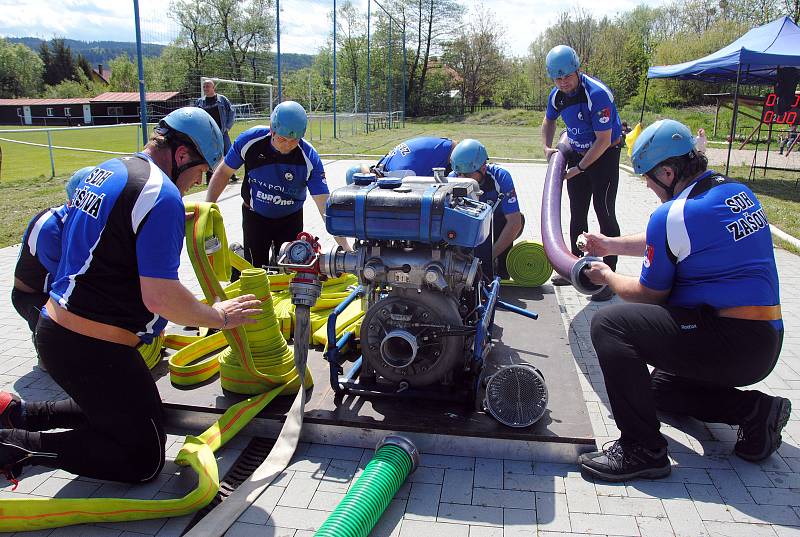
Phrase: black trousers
x=597 y=184
x=700 y=359
x=263 y=236
x=28 y=305
x=114 y=412
x=492 y=267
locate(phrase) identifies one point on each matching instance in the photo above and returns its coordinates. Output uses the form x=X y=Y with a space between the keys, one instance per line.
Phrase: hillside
x=97 y=52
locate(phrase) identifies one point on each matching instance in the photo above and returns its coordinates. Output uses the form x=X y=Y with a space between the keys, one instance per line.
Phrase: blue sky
x=304 y=23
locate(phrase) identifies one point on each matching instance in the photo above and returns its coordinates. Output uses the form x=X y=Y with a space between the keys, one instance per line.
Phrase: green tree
x=83 y=64
x=307 y=87
x=61 y=65
x=351 y=43
x=124 y=74
x=476 y=56
x=516 y=87
x=689 y=46
x=20 y=71
x=431 y=23
x=46 y=55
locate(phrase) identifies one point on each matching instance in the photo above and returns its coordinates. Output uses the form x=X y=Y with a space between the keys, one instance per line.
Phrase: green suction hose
x=527 y=265
x=358 y=512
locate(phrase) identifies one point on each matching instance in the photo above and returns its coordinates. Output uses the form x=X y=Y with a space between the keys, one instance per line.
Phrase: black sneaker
x=760 y=435
x=622 y=463
x=560 y=281
x=10 y=411
x=603 y=296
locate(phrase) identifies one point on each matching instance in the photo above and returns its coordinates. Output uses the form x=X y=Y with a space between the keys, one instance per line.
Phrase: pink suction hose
x=560 y=256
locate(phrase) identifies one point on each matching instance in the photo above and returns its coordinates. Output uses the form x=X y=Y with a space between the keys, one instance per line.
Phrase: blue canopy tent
x=752 y=59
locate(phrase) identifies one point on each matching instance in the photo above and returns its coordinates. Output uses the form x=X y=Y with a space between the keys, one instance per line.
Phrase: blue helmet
x=663 y=139
x=468 y=156
x=199 y=127
x=562 y=61
x=77 y=177
x=289 y=119
x=351 y=172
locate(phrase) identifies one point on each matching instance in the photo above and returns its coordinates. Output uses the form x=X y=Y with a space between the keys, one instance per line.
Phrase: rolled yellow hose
x=527 y=265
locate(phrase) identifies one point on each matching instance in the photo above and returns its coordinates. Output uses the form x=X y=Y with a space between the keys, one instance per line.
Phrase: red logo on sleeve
x=604 y=115
x=648 y=256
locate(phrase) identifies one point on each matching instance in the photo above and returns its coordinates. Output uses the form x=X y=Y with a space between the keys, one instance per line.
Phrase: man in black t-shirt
x=219 y=108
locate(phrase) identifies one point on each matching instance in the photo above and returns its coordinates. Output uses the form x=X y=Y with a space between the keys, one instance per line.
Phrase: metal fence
x=459 y=109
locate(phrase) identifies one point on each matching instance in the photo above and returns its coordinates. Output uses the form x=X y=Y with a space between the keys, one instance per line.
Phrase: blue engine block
x=411 y=209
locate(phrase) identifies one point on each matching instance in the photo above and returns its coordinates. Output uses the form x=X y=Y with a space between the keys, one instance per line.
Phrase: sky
x=304 y=23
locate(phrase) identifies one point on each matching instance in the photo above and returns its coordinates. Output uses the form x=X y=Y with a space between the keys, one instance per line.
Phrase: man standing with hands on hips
x=595 y=137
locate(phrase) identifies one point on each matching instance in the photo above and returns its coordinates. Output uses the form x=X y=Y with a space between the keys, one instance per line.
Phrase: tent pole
x=644 y=99
x=769 y=141
x=733 y=120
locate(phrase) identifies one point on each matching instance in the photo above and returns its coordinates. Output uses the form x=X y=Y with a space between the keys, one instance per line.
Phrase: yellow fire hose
x=527 y=265
x=197 y=452
x=271 y=372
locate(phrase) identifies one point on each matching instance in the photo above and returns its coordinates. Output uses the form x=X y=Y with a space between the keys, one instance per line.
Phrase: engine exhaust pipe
x=560 y=256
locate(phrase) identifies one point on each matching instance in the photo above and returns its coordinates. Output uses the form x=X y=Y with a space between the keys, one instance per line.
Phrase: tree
x=244 y=28
x=62 y=64
x=577 y=28
x=688 y=46
x=793 y=10
x=435 y=21
x=47 y=59
x=124 y=75
x=20 y=71
x=83 y=64
x=194 y=19
x=351 y=42
x=225 y=34
x=477 y=56
x=516 y=87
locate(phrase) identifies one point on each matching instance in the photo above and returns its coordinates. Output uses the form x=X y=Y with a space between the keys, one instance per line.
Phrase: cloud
x=305 y=26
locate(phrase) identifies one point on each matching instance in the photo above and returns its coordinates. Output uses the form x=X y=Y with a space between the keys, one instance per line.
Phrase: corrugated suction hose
x=564 y=262
x=358 y=512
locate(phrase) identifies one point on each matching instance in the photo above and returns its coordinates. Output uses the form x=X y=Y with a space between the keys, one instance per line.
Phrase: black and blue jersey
x=588 y=110
x=126 y=220
x=275 y=184
x=712 y=245
x=417 y=156
x=40 y=250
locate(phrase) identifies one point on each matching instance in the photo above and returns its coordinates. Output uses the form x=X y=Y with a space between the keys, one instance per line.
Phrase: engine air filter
x=516 y=395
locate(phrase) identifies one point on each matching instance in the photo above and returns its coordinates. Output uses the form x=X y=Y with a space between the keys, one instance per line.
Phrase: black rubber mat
x=251 y=458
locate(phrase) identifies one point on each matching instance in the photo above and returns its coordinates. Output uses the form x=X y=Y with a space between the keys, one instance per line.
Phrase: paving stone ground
x=710 y=492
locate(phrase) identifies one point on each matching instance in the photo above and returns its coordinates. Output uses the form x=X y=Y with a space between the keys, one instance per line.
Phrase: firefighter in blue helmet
x=470 y=159
x=704 y=312
x=115 y=287
x=39 y=255
x=595 y=138
x=280 y=167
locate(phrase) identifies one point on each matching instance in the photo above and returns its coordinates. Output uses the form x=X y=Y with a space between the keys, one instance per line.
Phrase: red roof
x=107 y=97
x=133 y=96
x=54 y=102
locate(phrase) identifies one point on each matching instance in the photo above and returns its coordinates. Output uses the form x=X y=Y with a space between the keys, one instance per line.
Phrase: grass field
x=26 y=186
